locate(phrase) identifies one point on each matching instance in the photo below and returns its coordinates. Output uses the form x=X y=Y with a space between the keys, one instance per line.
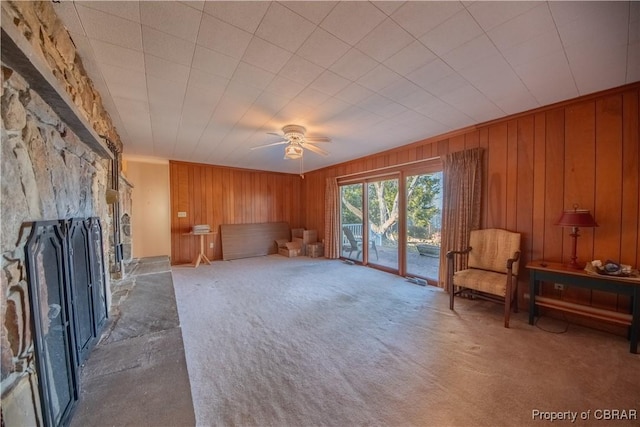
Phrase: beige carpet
x=275 y=341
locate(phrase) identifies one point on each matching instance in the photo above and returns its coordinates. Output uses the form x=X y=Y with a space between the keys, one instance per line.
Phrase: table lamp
x=576 y=218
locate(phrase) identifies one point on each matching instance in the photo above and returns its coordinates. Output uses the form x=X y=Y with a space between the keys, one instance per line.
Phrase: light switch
x=182 y=214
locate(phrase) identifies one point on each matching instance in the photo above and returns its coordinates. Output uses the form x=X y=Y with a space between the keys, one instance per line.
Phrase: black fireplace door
x=82 y=286
x=50 y=298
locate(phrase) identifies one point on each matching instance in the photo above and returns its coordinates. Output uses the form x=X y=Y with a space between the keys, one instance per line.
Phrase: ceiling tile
x=530 y=50
x=427 y=75
x=199 y=104
x=388 y=7
x=454 y=32
x=419 y=17
x=214 y=62
x=353 y=64
x=222 y=37
x=284 y=28
x=328 y=109
x=473 y=103
x=266 y=55
x=354 y=93
x=444 y=113
x=125 y=83
x=602 y=23
x=378 y=78
x=171 y=17
x=311 y=97
x=399 y=89
x=196 y=4
x=300 y=70
x=416 y=99
x=314 y=11
x=271 y=103
x=123 y=9
x=330 y=83
x=382 y=106
x=592 y=75
x=165 y=95
x=67 y=13
x=385 y=40
x=242 y=14
x=110 y=28
x=119 y=56
x=523 y=28
x=166 y=46
x=163 y=69
x=633 y=62
x=412 y=57
x=490 y=14
x=208 y=84
x=447 y=84
x=322 y=48
x=471 y=52
x=251 y=75
x=284 y=87
x=350 y=21
x=548 y=78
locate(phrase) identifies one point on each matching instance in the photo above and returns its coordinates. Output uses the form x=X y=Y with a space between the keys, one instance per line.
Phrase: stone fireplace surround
x=54 y=166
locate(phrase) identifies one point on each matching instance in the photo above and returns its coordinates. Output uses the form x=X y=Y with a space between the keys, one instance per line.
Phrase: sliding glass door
x=351 y=221
x=393 y=221
x=383 y=211
x=423 y=219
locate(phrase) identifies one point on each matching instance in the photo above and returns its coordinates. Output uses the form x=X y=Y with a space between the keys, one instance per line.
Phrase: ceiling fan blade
x=270 y=145
x=314 y=139
x=275 y=133
x=316 y=149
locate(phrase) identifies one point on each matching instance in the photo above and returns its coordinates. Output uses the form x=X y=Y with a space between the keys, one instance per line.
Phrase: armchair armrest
x=450 y=254
x=510 y=261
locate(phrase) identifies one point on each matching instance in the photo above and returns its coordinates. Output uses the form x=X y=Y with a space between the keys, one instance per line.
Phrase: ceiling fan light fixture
x=292 y=152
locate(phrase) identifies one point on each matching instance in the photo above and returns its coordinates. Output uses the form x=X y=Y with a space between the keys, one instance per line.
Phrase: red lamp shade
x=576 y=218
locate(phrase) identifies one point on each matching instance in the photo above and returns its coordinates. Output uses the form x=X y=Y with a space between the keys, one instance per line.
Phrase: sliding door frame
x=399 y=172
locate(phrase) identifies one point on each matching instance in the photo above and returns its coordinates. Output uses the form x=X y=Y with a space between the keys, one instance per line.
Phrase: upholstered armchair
x=492 y=269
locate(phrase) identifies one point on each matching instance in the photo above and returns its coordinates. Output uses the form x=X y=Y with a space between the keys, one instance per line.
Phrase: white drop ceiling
x=204 y=81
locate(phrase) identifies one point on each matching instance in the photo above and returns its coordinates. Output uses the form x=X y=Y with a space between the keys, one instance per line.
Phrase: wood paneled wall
x=538 y=163
x=217 y=195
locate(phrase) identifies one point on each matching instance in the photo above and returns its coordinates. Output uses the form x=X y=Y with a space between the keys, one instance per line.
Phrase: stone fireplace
x=56 y=166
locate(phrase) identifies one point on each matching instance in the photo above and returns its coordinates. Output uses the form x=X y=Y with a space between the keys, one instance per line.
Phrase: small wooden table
x=201 y=256
x=559 y=273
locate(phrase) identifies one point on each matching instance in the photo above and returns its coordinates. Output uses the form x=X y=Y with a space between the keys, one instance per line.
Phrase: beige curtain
x=332 y=219
x=461 y=202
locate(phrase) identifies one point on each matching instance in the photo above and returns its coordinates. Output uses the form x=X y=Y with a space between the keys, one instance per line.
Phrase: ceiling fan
x=297 y=142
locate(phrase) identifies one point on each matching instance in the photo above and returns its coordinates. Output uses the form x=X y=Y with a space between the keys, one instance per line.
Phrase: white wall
x=151 y=206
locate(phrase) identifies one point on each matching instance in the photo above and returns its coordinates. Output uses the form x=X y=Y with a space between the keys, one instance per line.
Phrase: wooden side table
x=546 y=271
x=201 y=256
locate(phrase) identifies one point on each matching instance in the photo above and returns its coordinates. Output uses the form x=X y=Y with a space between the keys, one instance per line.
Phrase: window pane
x=424 y=220
x=351 y=221
x=383 y=223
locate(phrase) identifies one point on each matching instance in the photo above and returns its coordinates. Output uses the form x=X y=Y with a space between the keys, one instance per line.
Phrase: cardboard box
x=292 y=249
x=315 y=250
x=303 y=247
x=296 y=232
x=309 y=236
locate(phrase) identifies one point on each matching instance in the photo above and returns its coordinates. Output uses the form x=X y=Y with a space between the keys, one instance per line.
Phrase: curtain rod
x=389 y=167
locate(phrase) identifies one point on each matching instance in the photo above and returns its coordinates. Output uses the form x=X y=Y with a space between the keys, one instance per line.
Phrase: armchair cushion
x=482 y=280
x=491 y=248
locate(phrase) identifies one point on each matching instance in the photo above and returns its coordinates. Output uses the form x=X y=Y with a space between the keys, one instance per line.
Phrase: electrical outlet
x=558 y=287
x=211 y=245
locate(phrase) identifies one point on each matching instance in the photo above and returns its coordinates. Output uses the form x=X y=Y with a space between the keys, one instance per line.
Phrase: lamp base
x=575 y=265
